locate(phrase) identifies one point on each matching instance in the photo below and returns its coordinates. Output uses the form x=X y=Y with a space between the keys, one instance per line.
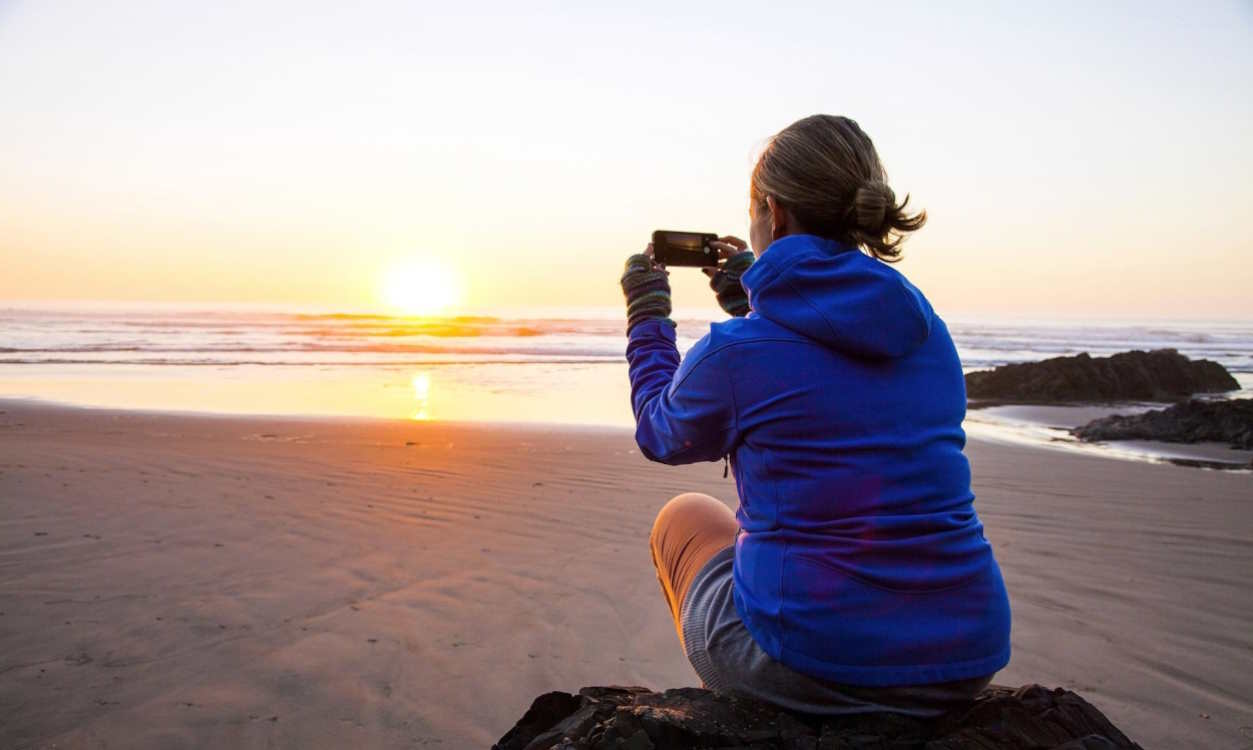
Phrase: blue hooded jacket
x=839 y=399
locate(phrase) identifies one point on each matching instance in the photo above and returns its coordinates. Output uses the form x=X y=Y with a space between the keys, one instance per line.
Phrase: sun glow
x=421 y=288
x=422 y=394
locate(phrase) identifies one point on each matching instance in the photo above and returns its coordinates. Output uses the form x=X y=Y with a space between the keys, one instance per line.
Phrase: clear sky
x=1085 y=158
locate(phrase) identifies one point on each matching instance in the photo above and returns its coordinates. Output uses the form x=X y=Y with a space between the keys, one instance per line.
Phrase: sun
x=423 y=287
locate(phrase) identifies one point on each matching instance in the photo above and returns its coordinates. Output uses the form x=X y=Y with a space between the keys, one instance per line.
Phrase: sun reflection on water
x=421 y=394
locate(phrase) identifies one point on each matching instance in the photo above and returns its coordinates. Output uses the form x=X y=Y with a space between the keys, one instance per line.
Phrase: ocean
x=547 y=366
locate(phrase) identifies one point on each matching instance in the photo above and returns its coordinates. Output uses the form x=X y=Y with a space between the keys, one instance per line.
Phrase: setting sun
x=421 y=288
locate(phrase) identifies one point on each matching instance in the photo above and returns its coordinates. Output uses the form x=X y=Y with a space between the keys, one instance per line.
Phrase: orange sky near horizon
x=1079 y=161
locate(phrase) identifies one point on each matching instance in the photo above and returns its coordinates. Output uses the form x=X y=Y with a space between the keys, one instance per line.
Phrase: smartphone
x=684 y=248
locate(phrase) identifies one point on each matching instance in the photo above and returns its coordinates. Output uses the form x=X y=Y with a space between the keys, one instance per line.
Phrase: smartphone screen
x=673 y=248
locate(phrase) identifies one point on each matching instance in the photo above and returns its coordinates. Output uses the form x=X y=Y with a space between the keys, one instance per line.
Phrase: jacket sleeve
x=684 y=411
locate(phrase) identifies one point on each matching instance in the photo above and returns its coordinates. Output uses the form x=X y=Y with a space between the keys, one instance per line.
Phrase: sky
x=1089 y=159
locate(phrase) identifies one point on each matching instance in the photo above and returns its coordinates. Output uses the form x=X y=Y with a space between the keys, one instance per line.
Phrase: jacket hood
x=838 y=295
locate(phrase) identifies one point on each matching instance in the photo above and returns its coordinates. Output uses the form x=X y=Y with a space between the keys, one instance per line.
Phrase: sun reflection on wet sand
x=421 y=394
x=597 y=394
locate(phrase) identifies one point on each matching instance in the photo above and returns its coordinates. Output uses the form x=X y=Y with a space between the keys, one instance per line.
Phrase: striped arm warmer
x=647 y=291
x=726 y=284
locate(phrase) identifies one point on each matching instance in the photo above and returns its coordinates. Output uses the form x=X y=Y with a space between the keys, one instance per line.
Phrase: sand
x=187 y=581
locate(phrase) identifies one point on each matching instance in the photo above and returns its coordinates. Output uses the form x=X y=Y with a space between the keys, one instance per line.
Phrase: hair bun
x=873 y=206
x=826 y=171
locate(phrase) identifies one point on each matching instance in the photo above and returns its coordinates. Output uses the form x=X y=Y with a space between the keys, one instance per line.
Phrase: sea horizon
x=559 y=366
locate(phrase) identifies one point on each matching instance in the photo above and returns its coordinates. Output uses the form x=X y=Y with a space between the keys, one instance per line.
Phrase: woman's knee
x=691 y=513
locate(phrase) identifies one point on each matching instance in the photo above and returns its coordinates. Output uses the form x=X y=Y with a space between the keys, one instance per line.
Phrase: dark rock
x=1193 y=421
x=1159 y=375
x=545 y=713
x=634 y=718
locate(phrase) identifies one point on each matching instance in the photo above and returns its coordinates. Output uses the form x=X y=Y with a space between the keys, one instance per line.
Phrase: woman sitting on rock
x=854 y=576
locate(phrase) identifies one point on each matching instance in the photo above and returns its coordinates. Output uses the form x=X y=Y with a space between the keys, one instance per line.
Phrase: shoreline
x=1048 y=426
x=1041 y=426
x=551 y=367
x=40 y=404
x=245 y=581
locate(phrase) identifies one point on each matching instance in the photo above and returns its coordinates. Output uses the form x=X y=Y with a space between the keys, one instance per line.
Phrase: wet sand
x=190 y=581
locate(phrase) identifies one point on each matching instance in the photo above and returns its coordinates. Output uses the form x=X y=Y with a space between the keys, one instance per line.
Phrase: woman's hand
x=646 y=285
x=735 y=258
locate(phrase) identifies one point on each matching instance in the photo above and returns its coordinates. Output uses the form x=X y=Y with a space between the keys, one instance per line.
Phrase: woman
x=855 y=575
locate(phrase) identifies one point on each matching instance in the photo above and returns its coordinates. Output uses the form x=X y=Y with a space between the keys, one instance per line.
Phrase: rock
x=1193 y=421
x=1159 y=375
x=634 y=718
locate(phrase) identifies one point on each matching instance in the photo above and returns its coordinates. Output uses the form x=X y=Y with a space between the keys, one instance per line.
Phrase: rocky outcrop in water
x=634 y=718
x=1159 y=375
x=1193 y=421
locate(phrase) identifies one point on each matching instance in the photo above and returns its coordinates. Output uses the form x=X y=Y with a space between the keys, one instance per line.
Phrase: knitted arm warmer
x=726 y=284
x=647 y=292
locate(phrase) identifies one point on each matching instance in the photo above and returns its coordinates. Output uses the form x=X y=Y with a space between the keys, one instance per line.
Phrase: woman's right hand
x=646 y=286
x=725 y=278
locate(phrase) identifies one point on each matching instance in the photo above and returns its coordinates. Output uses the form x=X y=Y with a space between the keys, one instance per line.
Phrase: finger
x=725 y=249
x=736 y=241
x=648 y=251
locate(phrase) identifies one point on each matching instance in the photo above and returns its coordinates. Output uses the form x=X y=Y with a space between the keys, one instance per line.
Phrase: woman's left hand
x=727 y=247
x=725 y=278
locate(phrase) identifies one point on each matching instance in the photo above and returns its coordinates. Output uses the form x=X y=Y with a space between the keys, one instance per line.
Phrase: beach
x=173 y=580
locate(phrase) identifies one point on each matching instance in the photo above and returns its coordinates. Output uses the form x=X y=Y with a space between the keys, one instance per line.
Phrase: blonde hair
x=825 y=170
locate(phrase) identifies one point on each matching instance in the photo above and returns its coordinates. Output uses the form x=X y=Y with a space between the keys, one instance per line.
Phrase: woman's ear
x=779 y=218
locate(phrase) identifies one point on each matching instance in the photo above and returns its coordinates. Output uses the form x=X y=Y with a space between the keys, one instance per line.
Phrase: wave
x=226 y=338
x=379 y=316
x=314 y=348
x=475 y=358
x=383 y=363
x=391 y=328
